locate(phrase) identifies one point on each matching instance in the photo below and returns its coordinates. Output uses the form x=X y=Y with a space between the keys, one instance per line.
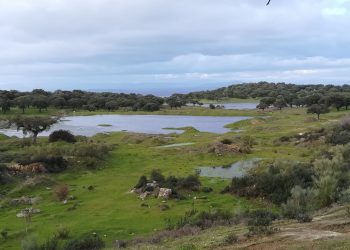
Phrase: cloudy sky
x=142 y=45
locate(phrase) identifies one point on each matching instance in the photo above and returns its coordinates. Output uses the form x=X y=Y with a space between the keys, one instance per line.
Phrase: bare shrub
x=61 y=192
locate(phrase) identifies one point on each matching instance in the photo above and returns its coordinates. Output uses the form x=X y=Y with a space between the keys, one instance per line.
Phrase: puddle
x=237 y=169
x=176 y=145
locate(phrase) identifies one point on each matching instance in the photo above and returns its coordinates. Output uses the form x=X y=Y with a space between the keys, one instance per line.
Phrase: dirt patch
x=257 y=122
x=310 y=234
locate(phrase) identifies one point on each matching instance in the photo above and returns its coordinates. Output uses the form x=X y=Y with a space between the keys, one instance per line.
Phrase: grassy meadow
x=110 y=210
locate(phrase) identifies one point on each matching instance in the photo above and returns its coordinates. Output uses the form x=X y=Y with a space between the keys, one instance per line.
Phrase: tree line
x=77 y=99
x=318 y=98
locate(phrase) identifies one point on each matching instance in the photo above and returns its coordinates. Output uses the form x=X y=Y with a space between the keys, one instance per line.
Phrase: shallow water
x=150 y=124
x=176 y=145
x=237 y=169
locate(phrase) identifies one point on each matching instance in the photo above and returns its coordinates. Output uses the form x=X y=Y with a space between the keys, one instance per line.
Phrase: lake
x=237 y=169
x=150 y=124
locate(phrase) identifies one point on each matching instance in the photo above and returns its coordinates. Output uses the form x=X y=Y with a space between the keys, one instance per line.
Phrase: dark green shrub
x=206 y=189
x=151 y=107
x=157 y=176
x=89 y=243
x=4 y=234
x=50 y=244
x=230 y=239
x=54 y=164
x=88 y=162
x=338 y=136
x=226 y=141
x=190 y=182
x=260 y=221
x=62 y=135
x=171 y=182
x=62 y=233
x=91 y=149
x=304 y=218
x=273 y=184
x=142 y=182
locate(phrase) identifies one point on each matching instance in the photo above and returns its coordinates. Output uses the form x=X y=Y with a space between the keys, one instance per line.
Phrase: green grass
x=104 y=125
x=110 y=210
x=194 y=111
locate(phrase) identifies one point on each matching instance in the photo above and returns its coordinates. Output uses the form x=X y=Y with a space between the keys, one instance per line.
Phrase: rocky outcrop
x=164 y=193
x=220 y=148
x=27 y=212
x=152 y=189
x=24 y=200
x=36 y=167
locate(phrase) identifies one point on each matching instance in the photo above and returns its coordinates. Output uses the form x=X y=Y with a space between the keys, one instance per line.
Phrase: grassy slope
x=328 y=231
x=110 y=210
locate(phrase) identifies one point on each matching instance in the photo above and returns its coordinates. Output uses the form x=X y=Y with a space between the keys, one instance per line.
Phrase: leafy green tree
x=112 y=105
x=318 y=109
x=280 y=103
x=23 y=102
x=33 y=124
x=262 y=106
x=338 y=101
x=58 y=102
x=40 y=102
x=5 y=104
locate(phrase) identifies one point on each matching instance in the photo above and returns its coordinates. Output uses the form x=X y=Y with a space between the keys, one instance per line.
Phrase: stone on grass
x=164 y=193
x=27 y=211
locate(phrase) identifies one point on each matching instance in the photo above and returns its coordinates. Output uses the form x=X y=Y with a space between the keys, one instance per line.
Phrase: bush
x=142 y=182
x=61 y=192
x=304 y=218
x=207 y=189
x=226 y=141
x=157 y=176
x=151 y=107
x=299 y=205
x=88 y=162
x=4 y=234
x=230 y=239
x=274 y=184
x=260 y=221
x=62 y=233
x=62 y=135
x=50 y=244
x=91 y=149
x=89 y=243
x=55 y=164
x=30 y=243
x=188 y=247
x=191 y=183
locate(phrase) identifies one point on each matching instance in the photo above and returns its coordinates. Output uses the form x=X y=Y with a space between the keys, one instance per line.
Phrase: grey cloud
x=114 y=42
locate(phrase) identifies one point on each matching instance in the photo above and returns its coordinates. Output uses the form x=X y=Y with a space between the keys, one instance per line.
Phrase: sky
x=167 y=45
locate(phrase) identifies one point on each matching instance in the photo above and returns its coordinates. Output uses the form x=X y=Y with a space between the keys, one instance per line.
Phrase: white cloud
x=334 y=11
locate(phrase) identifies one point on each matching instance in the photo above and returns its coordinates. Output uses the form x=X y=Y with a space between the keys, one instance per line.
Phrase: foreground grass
x=111 y=211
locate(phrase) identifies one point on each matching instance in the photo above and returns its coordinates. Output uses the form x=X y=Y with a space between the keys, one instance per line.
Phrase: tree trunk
x=318 y=116
x=35 y=135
